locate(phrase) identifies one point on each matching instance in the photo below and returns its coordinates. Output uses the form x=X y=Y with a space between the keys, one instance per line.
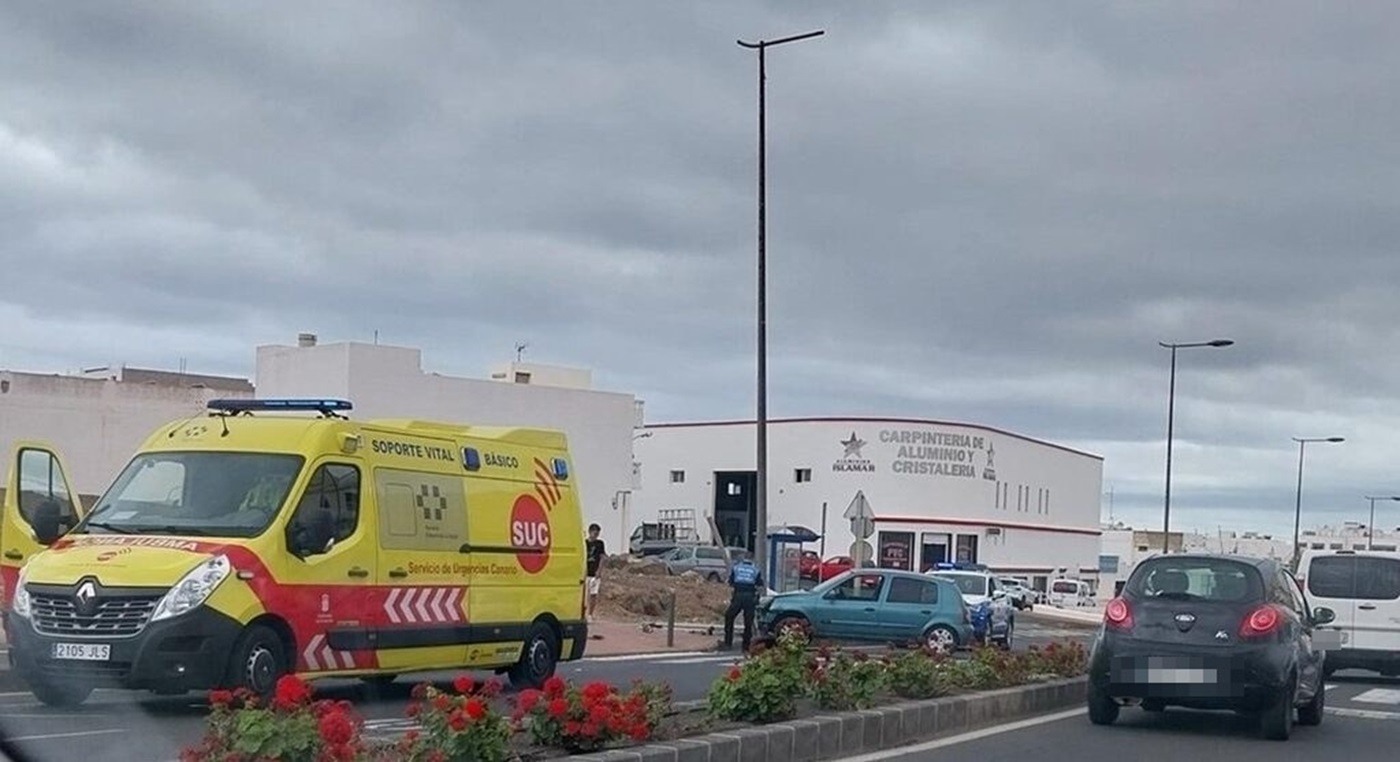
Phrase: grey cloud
x=978 y=211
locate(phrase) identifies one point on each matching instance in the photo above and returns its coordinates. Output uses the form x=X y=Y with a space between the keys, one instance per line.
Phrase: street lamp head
x=1220 y=342
x=1336 y=439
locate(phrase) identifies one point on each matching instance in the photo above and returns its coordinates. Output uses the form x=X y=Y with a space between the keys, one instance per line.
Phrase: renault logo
x=87 y=596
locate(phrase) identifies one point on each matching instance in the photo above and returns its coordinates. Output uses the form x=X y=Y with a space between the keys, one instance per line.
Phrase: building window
x=677 y=477
x=966 y=551
x=802 y=475
x=734 y=488
x=522 y=377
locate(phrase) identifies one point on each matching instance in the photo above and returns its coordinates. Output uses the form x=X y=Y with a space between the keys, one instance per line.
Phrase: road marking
x=1365 y=714
x=965 y=737
x=645 y=657
x=699 y=660
x=77 y=734
x=1379 y=696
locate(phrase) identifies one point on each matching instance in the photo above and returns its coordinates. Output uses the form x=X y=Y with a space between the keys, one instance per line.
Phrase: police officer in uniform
x=746 y=583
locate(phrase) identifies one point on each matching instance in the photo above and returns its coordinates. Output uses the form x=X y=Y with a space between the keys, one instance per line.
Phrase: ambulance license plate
x=82 y=651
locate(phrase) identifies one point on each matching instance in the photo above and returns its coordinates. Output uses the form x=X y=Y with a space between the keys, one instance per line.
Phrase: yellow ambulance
x=278 y=536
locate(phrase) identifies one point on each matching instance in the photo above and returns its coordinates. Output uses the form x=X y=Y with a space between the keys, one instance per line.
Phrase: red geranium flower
x=558 y=708
x=220 y=698
x=475 y=709
x=528 y=699
x=458 y=721
x=291 y=692
x=554 y=687
x=336 y=729
x=464 y=684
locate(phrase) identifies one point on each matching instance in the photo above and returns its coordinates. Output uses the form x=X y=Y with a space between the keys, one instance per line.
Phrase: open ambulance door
x=40 y=507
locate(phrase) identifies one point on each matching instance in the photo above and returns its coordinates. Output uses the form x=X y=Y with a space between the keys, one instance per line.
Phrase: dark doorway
x=934 y=550
x=735 y=507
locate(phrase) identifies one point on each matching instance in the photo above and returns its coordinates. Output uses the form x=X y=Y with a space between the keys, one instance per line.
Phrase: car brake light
x=1118 y=614
x=1262 y=621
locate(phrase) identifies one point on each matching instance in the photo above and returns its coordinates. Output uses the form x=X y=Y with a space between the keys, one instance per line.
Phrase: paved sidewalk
x=627 y=638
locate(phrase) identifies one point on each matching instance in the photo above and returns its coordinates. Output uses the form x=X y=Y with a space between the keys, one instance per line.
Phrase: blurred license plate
x=1180 y=675
x=82 y=651
x=1328 y=640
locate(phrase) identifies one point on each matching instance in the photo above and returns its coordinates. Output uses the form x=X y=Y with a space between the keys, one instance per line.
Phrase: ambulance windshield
x=218 y=494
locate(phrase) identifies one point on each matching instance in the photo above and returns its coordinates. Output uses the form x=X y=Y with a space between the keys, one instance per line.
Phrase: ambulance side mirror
x=48 y=522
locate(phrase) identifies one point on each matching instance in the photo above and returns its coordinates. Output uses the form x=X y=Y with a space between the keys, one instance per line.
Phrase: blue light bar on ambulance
x=561 y=469
x=254 y=405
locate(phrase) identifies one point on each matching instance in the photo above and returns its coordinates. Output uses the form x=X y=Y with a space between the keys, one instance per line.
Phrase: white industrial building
x=937 y=491
x=98 y=418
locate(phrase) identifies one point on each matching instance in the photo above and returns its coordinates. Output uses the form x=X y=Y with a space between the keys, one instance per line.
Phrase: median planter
x=785 y=702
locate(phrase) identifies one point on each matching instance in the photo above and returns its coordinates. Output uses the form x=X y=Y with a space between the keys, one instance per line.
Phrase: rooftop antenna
x=520 y=350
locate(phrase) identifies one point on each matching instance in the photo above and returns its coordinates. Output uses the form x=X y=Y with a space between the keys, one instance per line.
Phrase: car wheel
x=1276 y=721
x=1311 y=713
x=1103 y=710
x=58 y=693
x=789 y=623
x=713 y=577
x=537 y=659
x=941 y=639
x=259 y=661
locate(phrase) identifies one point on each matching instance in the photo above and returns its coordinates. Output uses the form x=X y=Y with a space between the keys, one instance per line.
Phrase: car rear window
x=1355 y=577
x=1209 y=579
x=1064 y=587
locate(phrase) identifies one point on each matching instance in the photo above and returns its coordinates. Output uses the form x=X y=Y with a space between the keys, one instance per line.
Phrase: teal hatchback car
x=874 y=605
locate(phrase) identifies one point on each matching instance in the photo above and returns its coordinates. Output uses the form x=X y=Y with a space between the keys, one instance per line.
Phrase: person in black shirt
x=595 y=551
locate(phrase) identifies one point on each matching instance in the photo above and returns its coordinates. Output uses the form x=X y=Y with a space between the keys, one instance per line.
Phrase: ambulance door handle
x=14 y=555
x=358 y=572
x=1367 y=607
x=397 y=573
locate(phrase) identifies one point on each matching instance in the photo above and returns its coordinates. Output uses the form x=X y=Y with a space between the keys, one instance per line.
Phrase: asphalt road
x=139 y=727
x=1360 y=724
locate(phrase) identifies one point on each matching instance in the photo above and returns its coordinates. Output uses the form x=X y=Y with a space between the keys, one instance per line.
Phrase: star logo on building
x=853 y=445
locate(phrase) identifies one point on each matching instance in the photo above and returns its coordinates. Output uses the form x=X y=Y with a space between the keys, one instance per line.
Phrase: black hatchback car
x=1211 y=632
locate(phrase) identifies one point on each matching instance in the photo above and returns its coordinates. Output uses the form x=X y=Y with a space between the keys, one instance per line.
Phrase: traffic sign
x=859 y=507
x=862 y=553
x=862 y=528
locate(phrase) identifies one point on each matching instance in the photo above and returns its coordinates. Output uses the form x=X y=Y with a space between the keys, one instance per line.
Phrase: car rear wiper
x=1178 y=596
x=109 y=527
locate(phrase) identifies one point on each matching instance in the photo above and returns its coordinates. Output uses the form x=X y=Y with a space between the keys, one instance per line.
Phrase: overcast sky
x=983 y=212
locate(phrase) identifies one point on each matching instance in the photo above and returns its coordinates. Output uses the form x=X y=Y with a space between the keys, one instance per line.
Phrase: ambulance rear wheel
x=259 y=661
x=59 y=694
x=537 y=659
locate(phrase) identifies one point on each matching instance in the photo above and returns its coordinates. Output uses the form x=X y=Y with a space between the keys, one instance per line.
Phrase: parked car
x=993 y=618
x=706 y=560
x=874 y=605
x=1363 y=587
x=836 y=566
x=1070 y=593
x=1211 y=632
x=1020 y=594
x=810 y=565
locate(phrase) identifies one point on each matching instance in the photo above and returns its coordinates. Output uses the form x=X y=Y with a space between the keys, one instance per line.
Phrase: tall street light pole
x=1371 y=524
x=760 y=530
x=1298 y=499
x=1171 y=417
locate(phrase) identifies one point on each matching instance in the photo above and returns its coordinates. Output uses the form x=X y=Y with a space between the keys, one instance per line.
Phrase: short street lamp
x=1371 y=524
x=1298 y=499
x=1171 y=416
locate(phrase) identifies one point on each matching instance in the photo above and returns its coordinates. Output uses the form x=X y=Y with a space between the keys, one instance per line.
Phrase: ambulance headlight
x=19 y=606
x=194 y=589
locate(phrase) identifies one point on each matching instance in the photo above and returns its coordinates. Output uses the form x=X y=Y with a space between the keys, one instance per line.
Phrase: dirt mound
x=637 y=591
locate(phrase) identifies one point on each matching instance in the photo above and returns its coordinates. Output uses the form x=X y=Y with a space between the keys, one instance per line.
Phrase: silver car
x=706 y=560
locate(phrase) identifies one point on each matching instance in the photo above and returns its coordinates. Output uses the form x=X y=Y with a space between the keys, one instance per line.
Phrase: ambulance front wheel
x=537 y=659
x=259 y=660
x=59 y=694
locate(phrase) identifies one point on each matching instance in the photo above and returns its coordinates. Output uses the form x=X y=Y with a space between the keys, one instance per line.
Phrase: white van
x=1363 y=587
x=1066 y=592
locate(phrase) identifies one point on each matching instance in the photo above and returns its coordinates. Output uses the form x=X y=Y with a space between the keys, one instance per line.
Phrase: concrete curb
x=838 y=735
